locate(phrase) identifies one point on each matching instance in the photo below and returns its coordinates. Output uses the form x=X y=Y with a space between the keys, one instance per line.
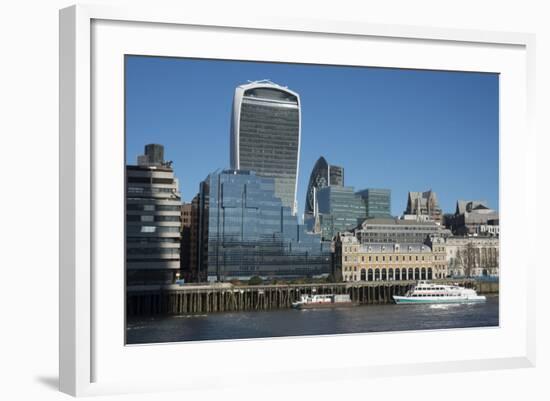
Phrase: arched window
x=417 y=274
x=363 y=275
x=369 y=277
x=377 y=274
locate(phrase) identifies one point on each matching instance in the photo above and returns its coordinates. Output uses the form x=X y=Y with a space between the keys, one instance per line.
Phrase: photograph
x=270 y=199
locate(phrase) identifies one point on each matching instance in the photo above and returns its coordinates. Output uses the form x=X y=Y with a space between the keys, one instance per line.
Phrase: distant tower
x=154 y=155
x=377 y=201
x=265 y=135
x=423 y=205
x=322 y=175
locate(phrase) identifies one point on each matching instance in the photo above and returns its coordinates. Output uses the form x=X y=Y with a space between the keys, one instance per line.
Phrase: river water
x=290 y=322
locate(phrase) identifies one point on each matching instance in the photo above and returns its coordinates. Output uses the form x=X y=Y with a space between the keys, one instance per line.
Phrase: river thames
x=290 y=322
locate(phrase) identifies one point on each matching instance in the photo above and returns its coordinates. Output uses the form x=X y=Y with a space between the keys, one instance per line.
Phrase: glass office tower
x=246 y=231
x=377 y=202
x=265 y=135
x=340 y=209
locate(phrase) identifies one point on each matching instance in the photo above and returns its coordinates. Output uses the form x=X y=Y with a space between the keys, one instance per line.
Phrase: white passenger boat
x=432 y=293
x=323 y=301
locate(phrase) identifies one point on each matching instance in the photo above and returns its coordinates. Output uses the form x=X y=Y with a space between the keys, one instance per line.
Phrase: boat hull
x=435 y=300
x=327 y=305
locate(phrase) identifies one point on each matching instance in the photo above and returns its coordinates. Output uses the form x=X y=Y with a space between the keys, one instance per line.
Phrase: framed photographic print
x=264 y=190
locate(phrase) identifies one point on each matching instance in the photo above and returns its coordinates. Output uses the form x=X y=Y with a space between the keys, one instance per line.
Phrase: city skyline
x=403 y=130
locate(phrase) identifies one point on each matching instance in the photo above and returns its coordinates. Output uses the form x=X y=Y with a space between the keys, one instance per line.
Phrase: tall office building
x=265 y=135
x=153 y=220
x=339 y=209
x=322 y=175
x=377 y=202
x=245 y=231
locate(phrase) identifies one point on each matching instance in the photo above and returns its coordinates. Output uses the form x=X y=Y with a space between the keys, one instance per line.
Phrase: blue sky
x=406 y=130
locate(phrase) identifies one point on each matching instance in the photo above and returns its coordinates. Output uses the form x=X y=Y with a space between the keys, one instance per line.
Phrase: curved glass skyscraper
x=322 y=175
x=265 y=135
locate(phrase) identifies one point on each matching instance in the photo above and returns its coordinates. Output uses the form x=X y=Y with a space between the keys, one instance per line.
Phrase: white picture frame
x=92 y=38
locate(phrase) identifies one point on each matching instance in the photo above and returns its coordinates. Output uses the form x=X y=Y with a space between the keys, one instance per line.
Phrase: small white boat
x=432 y=293
x=323 y=301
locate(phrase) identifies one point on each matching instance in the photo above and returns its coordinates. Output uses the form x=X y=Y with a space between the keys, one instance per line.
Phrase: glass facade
x=377 y=202
x=266 y=136
x=247 y=231
x=340 y=209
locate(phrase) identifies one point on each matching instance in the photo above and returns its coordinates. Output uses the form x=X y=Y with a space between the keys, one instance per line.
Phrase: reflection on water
x=289 y=322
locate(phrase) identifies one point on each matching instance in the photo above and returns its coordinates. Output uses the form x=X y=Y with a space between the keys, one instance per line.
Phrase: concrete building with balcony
x=153 y=220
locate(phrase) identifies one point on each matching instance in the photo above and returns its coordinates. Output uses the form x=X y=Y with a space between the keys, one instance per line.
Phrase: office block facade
x=340 y=209
x=377 y=202
x=397 y=230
